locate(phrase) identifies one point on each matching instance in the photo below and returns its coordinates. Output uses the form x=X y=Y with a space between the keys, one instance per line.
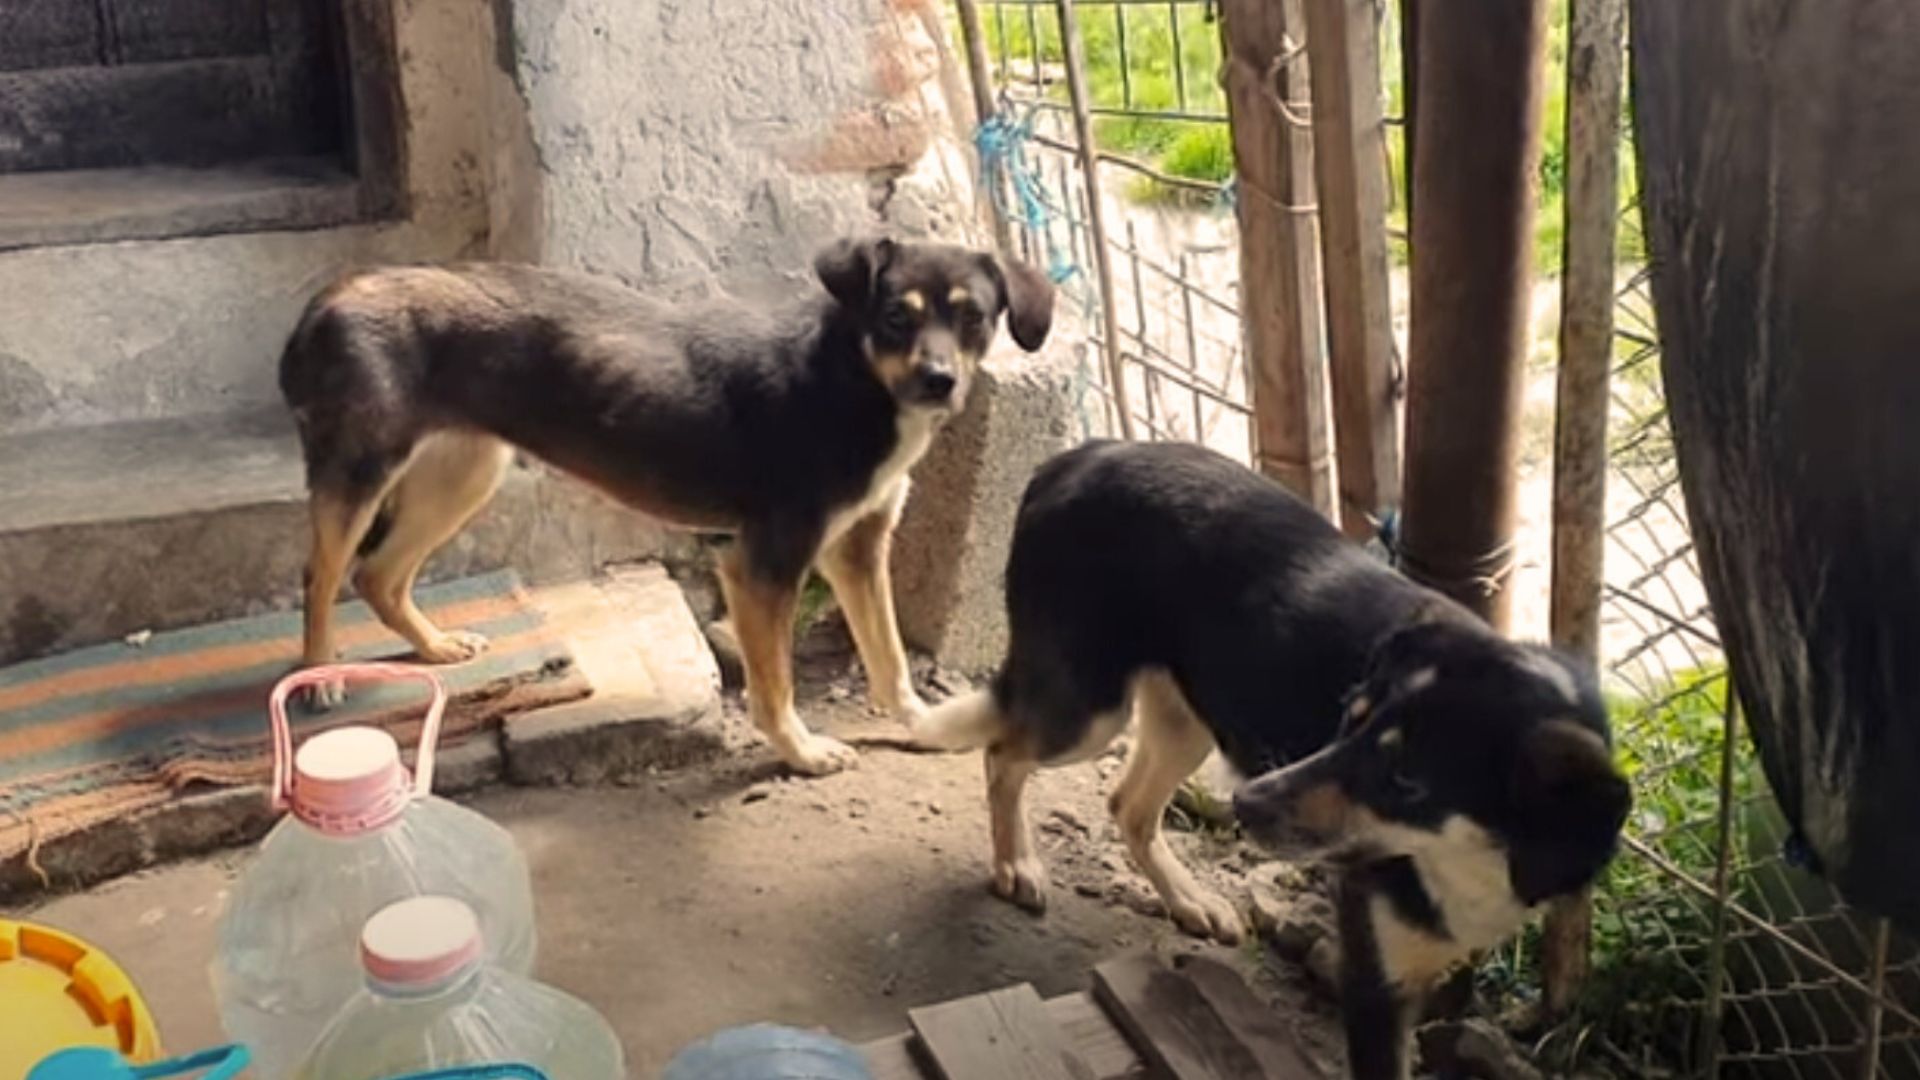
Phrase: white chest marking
x=1464 y=871
x=913 y=433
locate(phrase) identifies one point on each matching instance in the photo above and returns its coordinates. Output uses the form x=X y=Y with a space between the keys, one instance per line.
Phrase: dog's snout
x=938 y=383
x=934 y=380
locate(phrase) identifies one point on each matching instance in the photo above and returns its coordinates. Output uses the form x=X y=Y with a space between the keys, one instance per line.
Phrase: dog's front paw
x=454 y=648
x=1204 y=914
x=908 y=711
x=820 y=755
x=321 y=696
x=1023 y=883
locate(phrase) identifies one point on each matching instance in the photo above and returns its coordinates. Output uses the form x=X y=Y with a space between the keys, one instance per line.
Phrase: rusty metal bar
x=980 y=74
x=1096 y=210
x=1876 y=1001
x=1479 y=131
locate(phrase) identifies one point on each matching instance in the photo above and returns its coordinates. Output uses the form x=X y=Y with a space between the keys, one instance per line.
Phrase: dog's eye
x=901 y=319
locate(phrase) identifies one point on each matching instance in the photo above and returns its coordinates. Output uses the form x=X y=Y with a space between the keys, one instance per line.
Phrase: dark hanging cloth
x=1780 y=171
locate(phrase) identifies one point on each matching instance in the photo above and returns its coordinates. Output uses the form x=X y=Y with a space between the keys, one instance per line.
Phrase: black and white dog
x=792 y=429
x=1457 y=780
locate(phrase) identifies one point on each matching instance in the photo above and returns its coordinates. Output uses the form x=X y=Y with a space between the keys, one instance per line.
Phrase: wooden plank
x=1094 y=1036
x=1088 y=1031
x=1349 y=155
x=1002 y=1035
x=1273 y=1041
x=1199 y=1022
x=1280 y=302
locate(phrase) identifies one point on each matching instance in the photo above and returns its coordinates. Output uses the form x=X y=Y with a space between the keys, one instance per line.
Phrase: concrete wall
x=682 y=144
x=696 y=146
x=145 y=329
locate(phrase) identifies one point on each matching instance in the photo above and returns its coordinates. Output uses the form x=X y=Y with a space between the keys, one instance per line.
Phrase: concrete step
x=109 y=530
x=655 y=706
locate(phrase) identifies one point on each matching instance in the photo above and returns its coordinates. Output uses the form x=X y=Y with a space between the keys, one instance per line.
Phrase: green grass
x=1149 y=69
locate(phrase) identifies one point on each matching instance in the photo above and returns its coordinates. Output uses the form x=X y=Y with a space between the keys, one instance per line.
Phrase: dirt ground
x=681 y=903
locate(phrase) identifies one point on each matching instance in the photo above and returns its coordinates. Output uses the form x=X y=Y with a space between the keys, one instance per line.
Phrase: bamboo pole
x=1595 y=50
x=980 y=75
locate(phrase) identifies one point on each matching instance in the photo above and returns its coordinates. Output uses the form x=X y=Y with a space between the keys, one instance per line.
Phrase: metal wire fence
x=1712 y=955
x=1163 y=233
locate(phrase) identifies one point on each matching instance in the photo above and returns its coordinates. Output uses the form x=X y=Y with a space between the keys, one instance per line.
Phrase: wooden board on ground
x=1002 y=1035
x=1197 y=1020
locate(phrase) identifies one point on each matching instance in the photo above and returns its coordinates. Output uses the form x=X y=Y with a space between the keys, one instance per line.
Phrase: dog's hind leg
x=338 y=527
x=855 y=564
x=1018 y=873
x=446 y=483
x=1170 y=744
x=762 y=609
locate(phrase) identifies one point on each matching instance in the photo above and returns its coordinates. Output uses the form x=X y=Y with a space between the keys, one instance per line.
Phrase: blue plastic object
x=100 y=1063
x=768 y=1052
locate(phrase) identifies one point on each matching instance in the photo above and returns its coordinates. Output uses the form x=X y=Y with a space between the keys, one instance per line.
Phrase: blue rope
x=1012 y=177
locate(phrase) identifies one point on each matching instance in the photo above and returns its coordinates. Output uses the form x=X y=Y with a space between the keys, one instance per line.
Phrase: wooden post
x=1349 y=151
x=1266 y=79
x=1409 y=98
x=980 y=74
x=1479 y=140
x=1595 y=50
x=1096 y=210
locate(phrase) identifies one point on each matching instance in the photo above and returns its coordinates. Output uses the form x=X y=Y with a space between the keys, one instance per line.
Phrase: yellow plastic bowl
x=60 y=992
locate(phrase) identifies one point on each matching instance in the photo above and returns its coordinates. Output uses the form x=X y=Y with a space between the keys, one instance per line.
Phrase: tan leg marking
x=856 y=565
x=1018 y=873
x=445 y=485
x=763 y=620
x=1171 y=743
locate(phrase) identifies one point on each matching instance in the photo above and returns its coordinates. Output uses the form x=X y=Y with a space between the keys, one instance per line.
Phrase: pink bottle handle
x=280 y=796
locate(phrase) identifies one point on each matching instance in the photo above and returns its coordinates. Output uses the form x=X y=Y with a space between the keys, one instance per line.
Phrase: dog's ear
x=1027 y=297
x=850 y=268
x=1570 y=803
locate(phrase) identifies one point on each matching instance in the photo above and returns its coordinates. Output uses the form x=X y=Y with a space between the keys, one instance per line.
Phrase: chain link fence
x=1712 y=955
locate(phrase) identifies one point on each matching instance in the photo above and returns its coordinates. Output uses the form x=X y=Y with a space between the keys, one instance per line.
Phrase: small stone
x=857 y=808
x=1474 y=1048
x=1268 y=909
x=933 y=807
x=756 y=793
x=701 y=812
x=1323 y=963
x=139 y=638
x=889 y=984
x=1086 y=888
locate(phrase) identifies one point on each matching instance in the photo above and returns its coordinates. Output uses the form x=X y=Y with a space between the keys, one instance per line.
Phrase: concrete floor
x=726 y=895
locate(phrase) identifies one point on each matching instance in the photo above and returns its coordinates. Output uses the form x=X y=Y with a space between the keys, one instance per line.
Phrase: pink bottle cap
x=419 y=942
x=349 y=780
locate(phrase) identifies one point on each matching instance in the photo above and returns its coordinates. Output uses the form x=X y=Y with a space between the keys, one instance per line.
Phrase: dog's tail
x=972 y=721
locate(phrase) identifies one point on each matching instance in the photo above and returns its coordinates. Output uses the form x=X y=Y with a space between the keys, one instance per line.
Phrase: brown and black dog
x=791 y=430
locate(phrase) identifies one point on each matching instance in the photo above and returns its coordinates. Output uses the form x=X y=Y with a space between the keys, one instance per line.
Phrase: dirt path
x=726 y=894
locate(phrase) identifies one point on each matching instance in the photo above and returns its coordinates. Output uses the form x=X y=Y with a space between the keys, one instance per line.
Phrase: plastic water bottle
x=432 y=1001
x=358 y=837
x=768 y=1052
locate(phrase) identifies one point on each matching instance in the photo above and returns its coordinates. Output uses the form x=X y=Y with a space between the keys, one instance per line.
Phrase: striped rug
x=93 y=734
